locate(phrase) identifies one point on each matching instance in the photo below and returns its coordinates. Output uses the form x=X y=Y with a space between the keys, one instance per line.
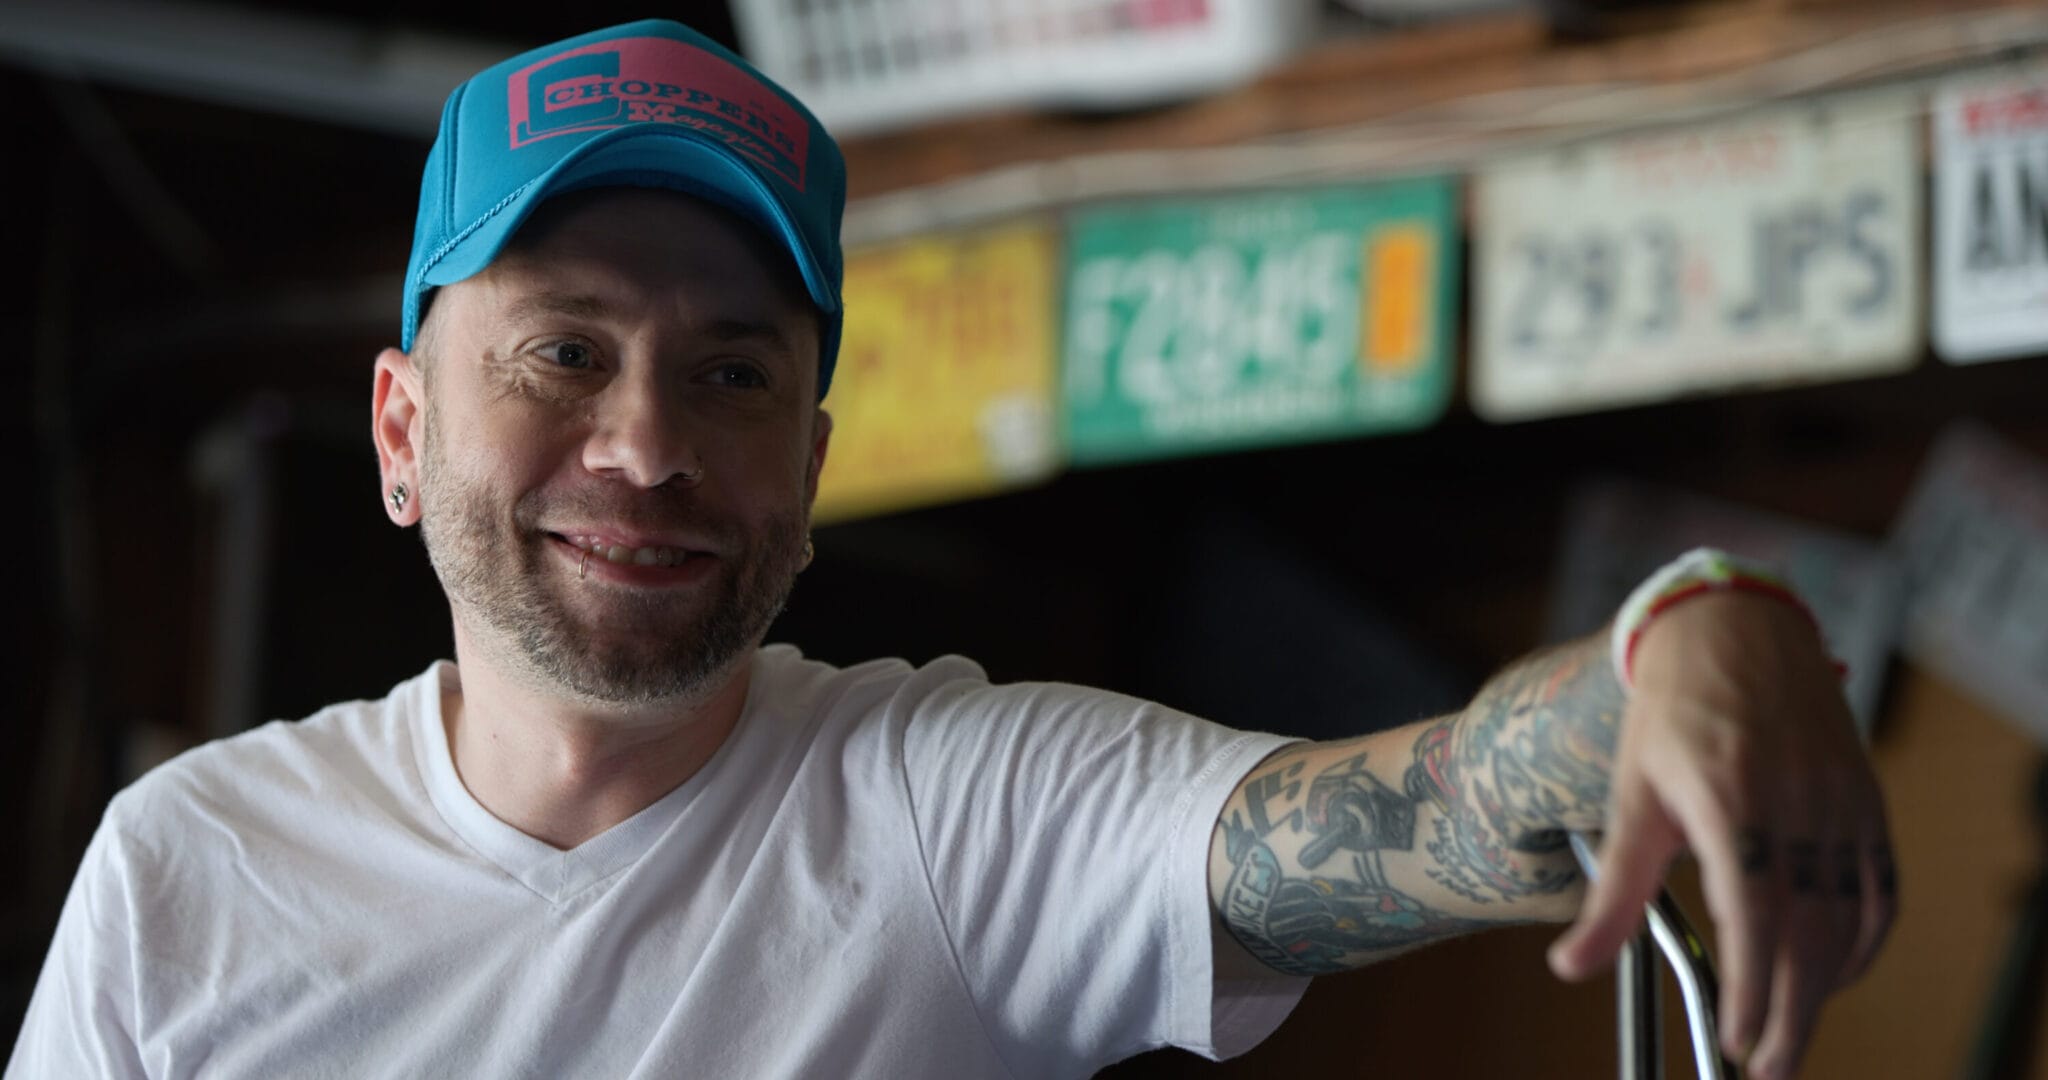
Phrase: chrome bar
x=1687 y=954
x=1639 y=993
x=1636 y=984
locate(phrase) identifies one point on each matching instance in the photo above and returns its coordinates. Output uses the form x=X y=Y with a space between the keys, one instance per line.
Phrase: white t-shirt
x=886 y=871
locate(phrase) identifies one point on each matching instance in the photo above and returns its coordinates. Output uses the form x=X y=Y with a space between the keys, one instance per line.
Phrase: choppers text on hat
x=636 y=80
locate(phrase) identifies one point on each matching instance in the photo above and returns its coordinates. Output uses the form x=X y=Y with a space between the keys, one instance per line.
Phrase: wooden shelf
x=1433 y=97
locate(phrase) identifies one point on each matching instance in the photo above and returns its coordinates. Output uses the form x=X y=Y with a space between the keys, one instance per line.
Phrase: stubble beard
x=496 y=572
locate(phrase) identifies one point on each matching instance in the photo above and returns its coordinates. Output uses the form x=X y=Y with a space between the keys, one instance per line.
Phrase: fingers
x=1742 y=893
x=1879 y=890
x=1785 y=919
x=1740 y=876
x=1832 y=908
x=1797 y=990
x=1639 y=846
x=1823 y=914
x=1796 y=985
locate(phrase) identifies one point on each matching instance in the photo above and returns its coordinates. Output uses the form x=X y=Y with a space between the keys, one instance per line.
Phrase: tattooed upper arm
x=1305 y=884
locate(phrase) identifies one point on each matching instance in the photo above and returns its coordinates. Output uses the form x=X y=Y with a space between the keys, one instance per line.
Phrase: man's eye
x=740 y=376
x=568 y=354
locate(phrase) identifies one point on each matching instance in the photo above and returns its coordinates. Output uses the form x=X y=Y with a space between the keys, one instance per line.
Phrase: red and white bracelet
x=1695 y=573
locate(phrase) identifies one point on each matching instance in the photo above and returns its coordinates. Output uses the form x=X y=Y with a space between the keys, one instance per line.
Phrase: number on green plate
x=1205 y=325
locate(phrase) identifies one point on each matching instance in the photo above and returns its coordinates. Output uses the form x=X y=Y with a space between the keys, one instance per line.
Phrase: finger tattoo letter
x=1848 y=872
x=1753 y=851
x=1804 y=856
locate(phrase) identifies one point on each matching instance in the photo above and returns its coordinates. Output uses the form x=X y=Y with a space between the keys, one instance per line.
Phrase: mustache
x=657 y=511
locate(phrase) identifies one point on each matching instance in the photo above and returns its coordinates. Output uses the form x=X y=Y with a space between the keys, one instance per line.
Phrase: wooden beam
x=1433 y=96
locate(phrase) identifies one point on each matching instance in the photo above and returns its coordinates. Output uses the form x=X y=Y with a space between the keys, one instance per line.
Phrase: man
x=619 y=837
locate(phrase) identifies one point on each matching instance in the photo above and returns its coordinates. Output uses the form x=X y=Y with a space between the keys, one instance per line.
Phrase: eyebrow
x=725 y=331
x=744 y=331
x=548 y=303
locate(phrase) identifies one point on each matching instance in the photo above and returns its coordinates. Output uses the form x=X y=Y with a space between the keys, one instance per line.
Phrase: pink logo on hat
x=634 y=80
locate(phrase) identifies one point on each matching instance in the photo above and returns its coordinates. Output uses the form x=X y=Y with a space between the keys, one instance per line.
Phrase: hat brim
x=648 y=156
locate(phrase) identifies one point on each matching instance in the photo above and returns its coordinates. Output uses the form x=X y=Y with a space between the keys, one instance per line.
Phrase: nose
x=641 y=436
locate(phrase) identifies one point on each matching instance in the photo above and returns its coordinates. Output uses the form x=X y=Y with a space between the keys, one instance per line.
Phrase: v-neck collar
x=551 y=873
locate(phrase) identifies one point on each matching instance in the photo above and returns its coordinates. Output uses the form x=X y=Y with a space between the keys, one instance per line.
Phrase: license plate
x=1780 y=247
x=1991 y=217
x=1199 y=325
x=1974 y=542
x=944 y=388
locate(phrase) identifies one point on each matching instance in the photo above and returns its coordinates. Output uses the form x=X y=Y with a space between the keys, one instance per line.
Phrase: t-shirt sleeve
x=1066 y=833
x=81 y=1019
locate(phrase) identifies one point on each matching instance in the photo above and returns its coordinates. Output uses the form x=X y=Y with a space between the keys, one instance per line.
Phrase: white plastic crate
x=869 y=65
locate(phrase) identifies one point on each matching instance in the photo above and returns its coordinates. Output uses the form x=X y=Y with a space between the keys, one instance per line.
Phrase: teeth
x=619 y=553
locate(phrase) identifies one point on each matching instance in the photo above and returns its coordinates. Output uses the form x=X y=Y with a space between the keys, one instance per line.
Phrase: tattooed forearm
x=1527 y=761
x=1334 y=855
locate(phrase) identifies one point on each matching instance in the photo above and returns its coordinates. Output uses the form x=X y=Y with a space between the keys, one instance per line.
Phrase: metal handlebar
x=1640 y=1007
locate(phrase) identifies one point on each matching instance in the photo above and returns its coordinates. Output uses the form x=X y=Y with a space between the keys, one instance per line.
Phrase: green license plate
x=1205 y=325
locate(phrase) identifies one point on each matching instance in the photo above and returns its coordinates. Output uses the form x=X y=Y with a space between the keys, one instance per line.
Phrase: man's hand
x=1737 y=744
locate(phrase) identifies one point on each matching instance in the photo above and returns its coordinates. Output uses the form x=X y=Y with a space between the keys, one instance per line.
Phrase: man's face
x=621 y=442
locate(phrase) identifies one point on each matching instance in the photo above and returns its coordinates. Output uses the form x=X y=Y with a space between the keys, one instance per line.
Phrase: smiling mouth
x=620 y=553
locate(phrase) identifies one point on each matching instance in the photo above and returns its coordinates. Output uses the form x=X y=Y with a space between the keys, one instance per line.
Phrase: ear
x=821 y=435
x=397 y=415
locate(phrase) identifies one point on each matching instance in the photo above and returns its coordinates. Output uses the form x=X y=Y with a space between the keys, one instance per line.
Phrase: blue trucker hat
x=647 y=104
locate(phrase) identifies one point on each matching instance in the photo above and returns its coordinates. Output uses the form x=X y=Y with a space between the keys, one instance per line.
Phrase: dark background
x=197 y=293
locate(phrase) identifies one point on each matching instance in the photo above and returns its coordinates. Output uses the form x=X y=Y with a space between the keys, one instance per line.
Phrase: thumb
x=1640 y=843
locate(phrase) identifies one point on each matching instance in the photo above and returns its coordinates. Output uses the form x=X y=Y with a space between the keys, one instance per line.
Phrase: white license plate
x=1974 y=542
x=1991 y=217
x=1779 y=247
